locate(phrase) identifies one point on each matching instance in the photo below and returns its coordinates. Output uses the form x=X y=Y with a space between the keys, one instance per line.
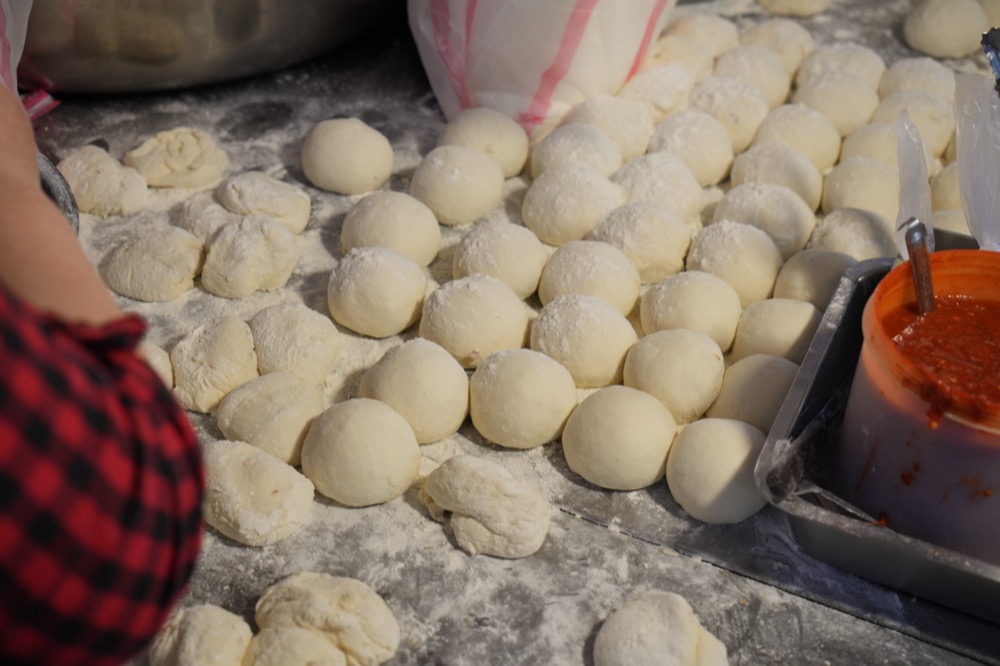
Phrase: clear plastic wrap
x=914 y=184
x=977 y=126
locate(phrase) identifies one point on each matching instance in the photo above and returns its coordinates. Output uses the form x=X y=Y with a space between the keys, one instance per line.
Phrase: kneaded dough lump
x=576 y=143
x=779 y=164
x=346 y=156
x=776 y=326
x=945 y=28
x=396 y=220
x=509 y=252
x=693 y=300
x=459 y=184
x=211 y=361
x=804 y=129
x=753 y=390
x=181 y=157
x=567 y=201
x=662 y=178
x=256 y=193
x=627 y=122
x=774 y=209
x=698 y=139
x=278 y=646
x=155 y=265
x=741 y=254
x=295 y=338
x=201 y=635
x=653 y=237
x=795 y=7
x=376 y=291
x=812 y=275
x=739 y=105
x=757 y=65
x=256 y=253
x=590 y=268
x=494 y=133
x=101 y=185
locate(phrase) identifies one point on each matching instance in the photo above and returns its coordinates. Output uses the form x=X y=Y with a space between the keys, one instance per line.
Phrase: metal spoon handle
x=916 y=245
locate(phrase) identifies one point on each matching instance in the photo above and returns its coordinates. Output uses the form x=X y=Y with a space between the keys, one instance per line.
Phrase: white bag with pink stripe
x=13 y=26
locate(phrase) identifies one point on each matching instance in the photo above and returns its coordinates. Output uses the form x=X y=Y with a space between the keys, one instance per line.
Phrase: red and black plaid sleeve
x=100 y=492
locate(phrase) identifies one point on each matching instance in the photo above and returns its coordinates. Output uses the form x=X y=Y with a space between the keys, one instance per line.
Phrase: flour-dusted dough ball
x=698 y=139
x=805 y=129
x=862 y=182
x=586 y=335
x=739 y=105
x=509 y=252
x=376 y=291
x=101 y=185
x=945 y=192
x=932 y=114
x=347 y=612
x=777 y=326
x=847 y=100
x=211 y=361
x=294 y=338
x=741 y=254
x=253 y=497
x=201 y=635
x=713 y=32
x=786 y=37
x=812 y=275
x=680 y=367
x=879 y=141
x=692 y=300
x=474 y=316
x=591 y=268
x=920 y=73
x=653 y=237
x=425 y=384
x=278 y=646
x=951 y=220
x=520 y=398
x=159 y=360
x=392 y=219
x=181 y=157
x=492 y=132
x=760 y=66
x=256 y=193
x=618 y=438
x=566 y=201
x=256 y=253
x=202 y=216
x=576 y=143
x=795 y=7
x=775 y=209
x=488 y=509
x=627 y=122
x=695 y=56
x=992 y=9
x=665 y=88
x=753 y=390
x=710 y=470
x=361 y=452
x=779 y=164
x=849 y=57
x=272 y=412
x=661 y=178
x=156 y=264
x=459 y=184
x=862 y=234
x=945 y=28
x=346 y=156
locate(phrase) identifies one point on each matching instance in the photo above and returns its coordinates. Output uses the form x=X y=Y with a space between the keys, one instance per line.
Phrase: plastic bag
x=977 y=126
x=13 y=28
x=914 y=183
x=531 y=60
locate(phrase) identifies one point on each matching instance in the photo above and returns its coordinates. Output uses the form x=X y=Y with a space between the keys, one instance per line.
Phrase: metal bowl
x=138 y=45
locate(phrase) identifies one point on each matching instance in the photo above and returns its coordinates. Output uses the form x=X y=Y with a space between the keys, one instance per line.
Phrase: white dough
x=376 y=291
x=157 y=264
x=581 y=144
x=945 y=28
x=653 y=237
x=920 y=73
x=292 y=337
x=203 y=217
x=251 y=496
x=932 y=114
x=795 y=7
x=591 y=268
x=992 y=9
x=494 y=133
x=488 y=509
x=660 y=178
x=698 y=139
x=849 y=57
x=779 y=164
x=201 y=635
x=862 y=182
x=627 y=122
x=879 y=141
x=474 y=316
x=760 y=66
x=618 y=438
x=520 y=398
x=805 y=129
x=777 y=326
x=392 y=219
x=361 y=452
x=754 y=389
x=945 y=192
x=951 y=220
x=586 y=335
x=566 y=201
x=694 y=55
x=211 y=361
x=786 y=37
x=459 y=184
x=181 y=157
x=847 y=100
x=509 y=252
x=713 y=32
x=862 y=234
x=775 y=209
x=159 y=360
x=741 y=254
x=812 y=275
x=710 y=470
x=421 y=381
x=692 y=300
x=346 y=156
x=101 y=185
x=256 y=193
x=272 y=412
x=286 y=646
x=737 y=104
x=256 y=253
x=664 y=88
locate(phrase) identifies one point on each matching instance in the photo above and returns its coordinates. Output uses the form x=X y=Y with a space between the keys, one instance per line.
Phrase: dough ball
x=945 y=192
x=737 y=104
x=627 y=122
x=201 y=635
x=698 y=139
x=159 y=360
x=211 y=361
x=786 y=37
x=933 y=115
x=587 y=336
x=345 y=611
x=741 y=254
x=713 y=32
x=618 y=438
x=459 y=184
x=945 y=28
x=812 y=275
x=805 y=129
x=681 y=368
x=951 y=220
x=693 y=55
x=376 y=291
x=847 y=100
x=862 y=234
x=795 y=7
x=992 y=9
x=203 y=217
x=156 y=264
x=566 y=201
x=181 y=157
x=492 y=132
x=346 y=156
x=488 y=509
x=361 y=452
x=879 y=141
x=653 y=237
x=520 y=398
x=101 y=185
x=760 y=66
x=590 y=268
x=253 y=254
x=509 y=252
x=862 y=182
x=278 y=646
x=392 y=219
x=775 y=209
x=779 y=164
x=710 y=470
x=421 y=381
x=660 y=178
x=664 y=88
x=576 y=143
x=919 y=73
x=776 y=326
x=474 y=316
x=272 y=412
x=692 y=300
x=849 y=57
x=754 y=389
x=256 y=193
x=292 y=337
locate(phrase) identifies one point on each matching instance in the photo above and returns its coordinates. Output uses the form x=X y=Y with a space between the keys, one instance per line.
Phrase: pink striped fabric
x=454 y=61
x=647 y=37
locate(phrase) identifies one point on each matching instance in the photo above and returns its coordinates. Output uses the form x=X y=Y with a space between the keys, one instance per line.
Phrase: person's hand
x=18 y=152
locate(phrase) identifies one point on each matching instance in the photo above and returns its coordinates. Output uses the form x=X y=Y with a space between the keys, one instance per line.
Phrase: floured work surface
x=749 y=583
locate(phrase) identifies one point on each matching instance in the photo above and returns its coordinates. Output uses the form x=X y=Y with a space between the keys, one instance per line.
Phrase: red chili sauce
x=956 y=350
